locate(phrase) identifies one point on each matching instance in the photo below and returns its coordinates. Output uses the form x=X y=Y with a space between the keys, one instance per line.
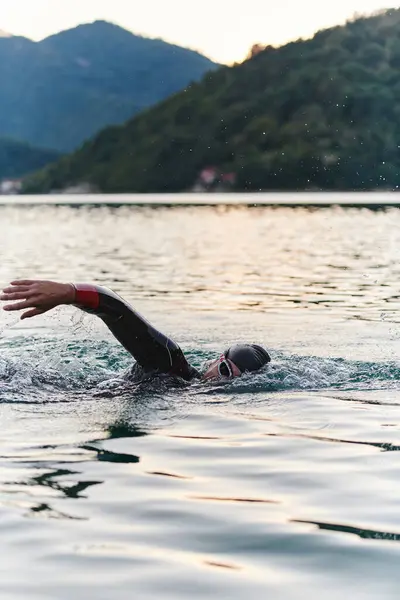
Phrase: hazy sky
x=222 y=29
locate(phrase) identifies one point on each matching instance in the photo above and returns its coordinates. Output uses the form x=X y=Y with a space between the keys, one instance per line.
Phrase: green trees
x=317 y=114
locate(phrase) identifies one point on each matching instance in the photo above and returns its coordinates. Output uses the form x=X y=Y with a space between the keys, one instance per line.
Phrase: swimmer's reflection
x=368 y=534
x=115 y=431
x=125 y=429
x=74 y=490
x=67 y=482
x=51 y=479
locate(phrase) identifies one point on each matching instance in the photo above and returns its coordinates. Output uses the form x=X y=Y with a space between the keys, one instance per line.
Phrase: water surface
x=283 y=480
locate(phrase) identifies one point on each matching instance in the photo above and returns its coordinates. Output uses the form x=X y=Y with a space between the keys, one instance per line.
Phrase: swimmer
x=153 y=352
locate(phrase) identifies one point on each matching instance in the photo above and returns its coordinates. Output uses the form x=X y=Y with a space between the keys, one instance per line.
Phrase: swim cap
x=248 y=357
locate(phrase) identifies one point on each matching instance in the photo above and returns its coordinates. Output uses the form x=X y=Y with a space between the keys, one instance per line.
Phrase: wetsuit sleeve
x=151 y=349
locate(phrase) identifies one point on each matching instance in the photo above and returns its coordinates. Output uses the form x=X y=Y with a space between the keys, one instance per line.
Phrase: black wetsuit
x=153 y=351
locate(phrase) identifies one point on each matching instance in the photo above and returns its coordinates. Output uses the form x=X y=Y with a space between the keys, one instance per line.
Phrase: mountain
x=18 y=159
x=317 y=114
x=61 y=91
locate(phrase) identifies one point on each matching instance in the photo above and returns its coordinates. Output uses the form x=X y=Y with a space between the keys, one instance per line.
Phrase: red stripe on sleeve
x=87 y=295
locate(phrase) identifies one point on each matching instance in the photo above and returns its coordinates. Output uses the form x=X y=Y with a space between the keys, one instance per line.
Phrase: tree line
x=319 y=114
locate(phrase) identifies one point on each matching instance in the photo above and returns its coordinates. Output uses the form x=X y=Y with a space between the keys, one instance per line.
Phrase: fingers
x=23 y=285
x=26 y=293
x=32 y=313
x=17 y=292
x=18 y=305
x=17 y=288
x=16 y=296
x=26 y=282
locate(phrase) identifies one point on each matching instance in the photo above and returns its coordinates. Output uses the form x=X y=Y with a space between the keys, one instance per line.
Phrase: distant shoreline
x=349 y=199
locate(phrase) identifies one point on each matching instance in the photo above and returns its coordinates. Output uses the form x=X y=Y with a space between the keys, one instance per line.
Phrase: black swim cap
x=248 y=357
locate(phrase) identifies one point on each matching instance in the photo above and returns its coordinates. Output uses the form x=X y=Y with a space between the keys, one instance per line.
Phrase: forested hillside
x=317 y=114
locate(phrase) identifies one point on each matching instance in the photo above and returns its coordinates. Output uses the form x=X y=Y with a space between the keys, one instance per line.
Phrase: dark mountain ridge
x=58 y=92
x=317 y=114
x=18 y=159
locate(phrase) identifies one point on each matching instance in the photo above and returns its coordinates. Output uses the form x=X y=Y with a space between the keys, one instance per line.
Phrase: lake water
x=271 y=486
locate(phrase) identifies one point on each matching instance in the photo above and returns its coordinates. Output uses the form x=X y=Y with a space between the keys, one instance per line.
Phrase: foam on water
x=60 y=368
x=260 y=487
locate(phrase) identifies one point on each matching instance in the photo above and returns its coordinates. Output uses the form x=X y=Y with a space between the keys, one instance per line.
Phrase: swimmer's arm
x=152 y=349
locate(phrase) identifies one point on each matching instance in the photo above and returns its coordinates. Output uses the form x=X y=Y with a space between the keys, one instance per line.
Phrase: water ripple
x=261 y=487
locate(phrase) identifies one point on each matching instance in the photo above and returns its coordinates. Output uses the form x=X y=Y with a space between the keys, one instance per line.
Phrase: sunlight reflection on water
x=289 y=478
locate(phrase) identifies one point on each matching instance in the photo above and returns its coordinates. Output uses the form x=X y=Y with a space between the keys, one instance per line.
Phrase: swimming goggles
x=224 y=368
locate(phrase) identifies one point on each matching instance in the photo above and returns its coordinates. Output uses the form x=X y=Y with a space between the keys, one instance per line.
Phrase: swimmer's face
x=221 y=369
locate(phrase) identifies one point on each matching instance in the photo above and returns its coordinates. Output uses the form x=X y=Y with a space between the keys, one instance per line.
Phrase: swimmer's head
x=237 y=360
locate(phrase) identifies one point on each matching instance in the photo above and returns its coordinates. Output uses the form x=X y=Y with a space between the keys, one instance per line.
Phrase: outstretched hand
x=38 y=296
